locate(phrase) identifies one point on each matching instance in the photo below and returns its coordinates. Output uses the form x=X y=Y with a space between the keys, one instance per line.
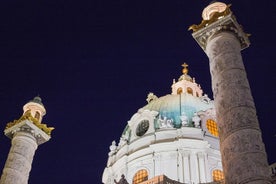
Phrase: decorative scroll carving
x=213 y=18
x=226 y=23
x=28 y=116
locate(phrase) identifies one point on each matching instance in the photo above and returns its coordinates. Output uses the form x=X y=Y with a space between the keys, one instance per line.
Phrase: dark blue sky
x=94 y=62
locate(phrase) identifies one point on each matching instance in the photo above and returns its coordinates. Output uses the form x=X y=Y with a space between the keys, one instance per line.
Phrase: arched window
x=212 y=127
x=27 y=112
x=140 y=176
x=179 y=91
x=189 y=90
x=37 y=115
x=218 y=175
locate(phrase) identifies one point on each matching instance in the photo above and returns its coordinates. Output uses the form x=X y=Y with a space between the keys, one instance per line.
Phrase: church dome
x=173 y=107
x=166 y=113
x=174 y=110
x=160 y=137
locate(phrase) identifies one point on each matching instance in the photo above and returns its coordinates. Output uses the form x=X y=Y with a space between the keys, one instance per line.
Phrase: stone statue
x=165 y=122
x=196 y=119
x=122 y=180
x=184 y=120
x=169 y=123
x=151 y=97
x=112 y=148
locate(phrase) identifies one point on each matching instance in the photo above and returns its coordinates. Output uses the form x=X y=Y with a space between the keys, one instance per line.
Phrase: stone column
x=243 y=153
x=26 y=133
x=19 y=161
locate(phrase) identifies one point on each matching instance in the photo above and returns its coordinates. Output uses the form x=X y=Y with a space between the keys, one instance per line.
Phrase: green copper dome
x=174 y=106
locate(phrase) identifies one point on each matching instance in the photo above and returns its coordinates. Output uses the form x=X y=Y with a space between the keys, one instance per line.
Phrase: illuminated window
x=189 y=91
x=218 y=175
x=37 y=115
x=27 y=112
x=140 y=176
x=212 y=127
x=179 y=91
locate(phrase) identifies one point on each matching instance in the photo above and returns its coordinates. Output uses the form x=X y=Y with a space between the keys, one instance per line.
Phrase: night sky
x=93 y=62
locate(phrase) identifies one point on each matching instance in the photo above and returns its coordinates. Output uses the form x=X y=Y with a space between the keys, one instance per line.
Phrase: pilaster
x=202 y=172
x=194 y=167
x=186 y=166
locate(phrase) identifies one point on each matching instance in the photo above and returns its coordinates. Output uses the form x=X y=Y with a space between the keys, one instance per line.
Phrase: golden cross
x=185 y=68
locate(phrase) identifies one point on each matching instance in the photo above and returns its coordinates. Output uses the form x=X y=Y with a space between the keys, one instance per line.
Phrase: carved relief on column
x=231 y=91
x=243 y=154
x=241 y=148
x=18 y=164
x=233 y=99
x=243 y=159
x=227 y=71
x=238 y=118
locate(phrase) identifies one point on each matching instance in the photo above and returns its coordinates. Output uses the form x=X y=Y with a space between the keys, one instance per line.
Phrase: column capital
x=226 y=22
x=28 y=127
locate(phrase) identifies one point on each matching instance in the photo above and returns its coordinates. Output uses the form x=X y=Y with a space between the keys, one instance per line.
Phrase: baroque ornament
x=28 y=116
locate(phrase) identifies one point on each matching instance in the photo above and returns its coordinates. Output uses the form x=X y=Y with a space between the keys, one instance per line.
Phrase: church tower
x=26 y=134
x=243 y=152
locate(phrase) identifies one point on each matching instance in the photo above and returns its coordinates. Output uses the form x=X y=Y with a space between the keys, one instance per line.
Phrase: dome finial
x=38 y=100
x=185 y=68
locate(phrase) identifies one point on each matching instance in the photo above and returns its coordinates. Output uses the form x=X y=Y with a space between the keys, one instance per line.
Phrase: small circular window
x=212 y=127
x=142 y=127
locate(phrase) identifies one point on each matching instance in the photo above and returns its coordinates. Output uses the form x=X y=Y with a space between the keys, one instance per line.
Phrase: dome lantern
x=36 y=108
x=186 y=84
